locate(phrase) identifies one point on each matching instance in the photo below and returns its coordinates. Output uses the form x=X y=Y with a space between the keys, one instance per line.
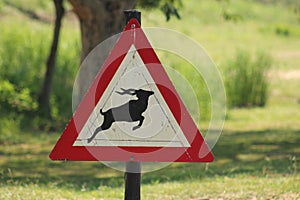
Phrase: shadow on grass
x=256 y=153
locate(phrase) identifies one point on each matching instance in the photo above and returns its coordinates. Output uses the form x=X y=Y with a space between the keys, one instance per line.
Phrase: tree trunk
x=99 y=20
x=44 y=97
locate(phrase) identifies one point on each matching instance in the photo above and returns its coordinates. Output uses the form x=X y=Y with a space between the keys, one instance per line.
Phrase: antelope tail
x=94 y=134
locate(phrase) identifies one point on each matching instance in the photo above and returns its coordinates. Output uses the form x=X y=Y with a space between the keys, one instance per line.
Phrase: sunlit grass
x=256 y=157
x=245 y=161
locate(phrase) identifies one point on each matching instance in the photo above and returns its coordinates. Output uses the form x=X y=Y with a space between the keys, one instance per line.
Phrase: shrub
x=23 y=53
x=245 y=80
x=282 y=30
x=12 y=99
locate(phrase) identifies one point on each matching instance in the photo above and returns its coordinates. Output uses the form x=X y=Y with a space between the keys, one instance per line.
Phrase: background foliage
x=255 y=44
x=246 y=80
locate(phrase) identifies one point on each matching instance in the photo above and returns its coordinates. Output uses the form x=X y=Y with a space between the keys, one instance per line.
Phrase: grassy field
x=257 y=155
x=249 y=164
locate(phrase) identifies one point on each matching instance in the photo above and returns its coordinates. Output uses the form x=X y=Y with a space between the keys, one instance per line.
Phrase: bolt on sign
x=132 y=112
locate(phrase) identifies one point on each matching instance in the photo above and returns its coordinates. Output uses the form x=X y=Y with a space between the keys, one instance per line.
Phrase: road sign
x=132 y=112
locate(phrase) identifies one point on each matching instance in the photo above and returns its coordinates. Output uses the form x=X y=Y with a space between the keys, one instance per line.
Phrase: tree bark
x=99 y=20
x=44 y=97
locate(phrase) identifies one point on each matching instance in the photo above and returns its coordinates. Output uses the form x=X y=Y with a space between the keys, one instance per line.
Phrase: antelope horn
x=128 y=91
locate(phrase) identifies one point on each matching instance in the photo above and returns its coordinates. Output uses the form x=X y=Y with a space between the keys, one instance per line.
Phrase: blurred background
x=255 y=45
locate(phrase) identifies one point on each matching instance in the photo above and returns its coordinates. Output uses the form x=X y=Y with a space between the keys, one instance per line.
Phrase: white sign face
x=132 y=112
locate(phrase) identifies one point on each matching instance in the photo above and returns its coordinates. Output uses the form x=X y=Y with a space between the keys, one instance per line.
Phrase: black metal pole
x=129 y=14
x=133 y=181
x=133 y=169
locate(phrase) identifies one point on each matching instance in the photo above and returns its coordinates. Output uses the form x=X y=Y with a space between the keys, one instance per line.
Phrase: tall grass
x=246 y=81
x=23 y=52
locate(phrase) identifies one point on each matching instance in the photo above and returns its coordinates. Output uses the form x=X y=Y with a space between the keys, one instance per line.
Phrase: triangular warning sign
x=132 y=112
x=159 y=127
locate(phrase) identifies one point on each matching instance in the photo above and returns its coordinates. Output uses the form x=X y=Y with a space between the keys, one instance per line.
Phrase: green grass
x=257 y=156
x=245 y=161
x=220 y=187
x=246 y=80
x=257 y=31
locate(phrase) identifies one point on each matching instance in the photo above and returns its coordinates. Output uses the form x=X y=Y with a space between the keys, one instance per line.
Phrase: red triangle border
x=197 y=152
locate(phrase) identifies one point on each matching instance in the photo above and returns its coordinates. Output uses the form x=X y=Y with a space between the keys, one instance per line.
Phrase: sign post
x=132 y=113
x=133 y=169
x=132 y=181
x=129 y=14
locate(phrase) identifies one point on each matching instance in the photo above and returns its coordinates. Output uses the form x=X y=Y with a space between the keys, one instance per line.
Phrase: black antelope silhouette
x=130 y=112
